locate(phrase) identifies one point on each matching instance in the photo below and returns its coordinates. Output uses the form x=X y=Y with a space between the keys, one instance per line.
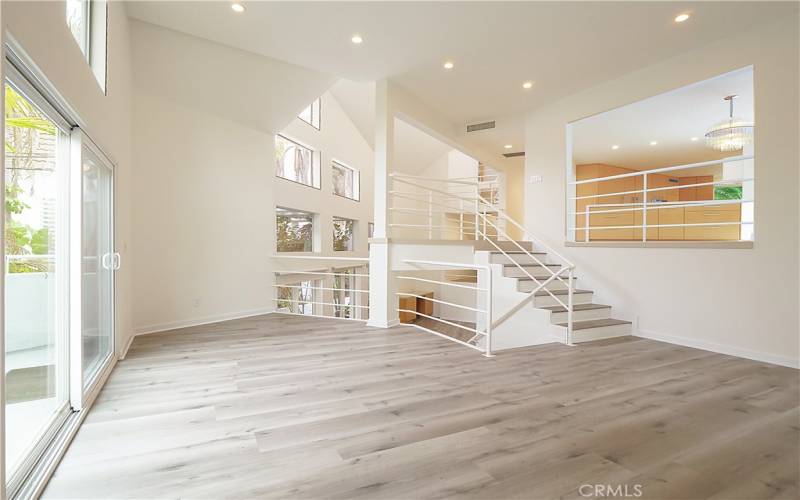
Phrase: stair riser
x=520 y=258
x=548 y=301
x=561 y=317
x=536 y=271
x=508 y=246
x=605 y=332
x=591 y=334
x=529 y=286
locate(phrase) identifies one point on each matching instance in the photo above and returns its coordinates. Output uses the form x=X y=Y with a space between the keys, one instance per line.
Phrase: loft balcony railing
x=315 y=293
x=641 y=204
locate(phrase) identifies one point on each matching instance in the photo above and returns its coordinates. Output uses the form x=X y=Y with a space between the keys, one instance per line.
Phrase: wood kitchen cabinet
x=695 y=193
x=611 y=220
x=710 y=215
x=670 y=216
x=657 y=214
x=652 y=219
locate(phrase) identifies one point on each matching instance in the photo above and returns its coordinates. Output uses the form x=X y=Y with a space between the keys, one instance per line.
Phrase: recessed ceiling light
x=653 y=143
x=614 y=147
x=693 y=139
x=681 y=18
x=508 y=146
x=356 y=39
x=448 y=65
x=237 y=7
x=527 y=85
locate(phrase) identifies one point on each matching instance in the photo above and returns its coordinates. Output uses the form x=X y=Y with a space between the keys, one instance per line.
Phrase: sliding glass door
x=36 y=276
x=59 y=273
x=98 y=262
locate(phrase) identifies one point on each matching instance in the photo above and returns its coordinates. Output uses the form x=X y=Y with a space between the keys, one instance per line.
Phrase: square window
x=87 y=21
x=343 y=230
x=345 y=181
x=311 y=114
x=344 y=296
x=296 y=162
x=294 y=230
x=296 y=298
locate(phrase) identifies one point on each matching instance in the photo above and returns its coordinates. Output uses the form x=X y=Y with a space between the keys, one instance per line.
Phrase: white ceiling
x=414 y=150
x=671 y=119
x=563 y=46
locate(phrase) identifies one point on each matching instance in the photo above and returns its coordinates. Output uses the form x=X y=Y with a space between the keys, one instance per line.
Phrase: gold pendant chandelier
x=731 y=134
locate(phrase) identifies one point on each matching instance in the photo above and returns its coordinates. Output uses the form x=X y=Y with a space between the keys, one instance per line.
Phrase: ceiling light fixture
x=732 y=133
x=681 y=18
x=527 y=85
x=508 y=146
x=614 y=147
x=356 y=39
x=653 y=143
x=448 y=65
x=237 y=7
x=694 y=139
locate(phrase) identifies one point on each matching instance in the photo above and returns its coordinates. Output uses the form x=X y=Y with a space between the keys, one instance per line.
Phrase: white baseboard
x=127 y=346
x=383 y=324
x=172 y=325
x=720 y=348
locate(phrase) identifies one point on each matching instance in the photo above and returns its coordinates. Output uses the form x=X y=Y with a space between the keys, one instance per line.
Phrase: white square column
x=382 y=287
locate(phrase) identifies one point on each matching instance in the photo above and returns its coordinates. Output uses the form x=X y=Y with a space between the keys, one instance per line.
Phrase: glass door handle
x=117 y=261
x=105 y=261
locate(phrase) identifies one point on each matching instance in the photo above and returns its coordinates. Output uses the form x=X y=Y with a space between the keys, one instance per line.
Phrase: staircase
x=591 y=321
x=518 y=265
x=528 y=293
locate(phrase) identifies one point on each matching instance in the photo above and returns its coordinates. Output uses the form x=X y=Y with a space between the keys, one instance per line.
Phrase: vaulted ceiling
x=563 y=47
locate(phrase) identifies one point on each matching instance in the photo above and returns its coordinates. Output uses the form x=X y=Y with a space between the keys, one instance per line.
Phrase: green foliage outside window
x=25 y=128
x=727 y=192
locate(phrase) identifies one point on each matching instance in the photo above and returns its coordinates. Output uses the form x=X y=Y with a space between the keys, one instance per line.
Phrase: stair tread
x=518 y=251
x=541 y=277
x=542 y=293
x=595 y=323
x=532 y=265
x=577 y=307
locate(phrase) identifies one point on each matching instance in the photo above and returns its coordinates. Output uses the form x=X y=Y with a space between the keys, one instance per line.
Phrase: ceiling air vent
x=513 y=155
x=480 y=126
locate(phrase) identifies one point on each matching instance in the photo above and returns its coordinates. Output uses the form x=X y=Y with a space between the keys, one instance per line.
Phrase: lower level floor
x=295 y=407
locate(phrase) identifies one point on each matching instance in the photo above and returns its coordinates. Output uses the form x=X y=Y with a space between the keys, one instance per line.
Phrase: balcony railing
x=597 y=216
x=335 y=291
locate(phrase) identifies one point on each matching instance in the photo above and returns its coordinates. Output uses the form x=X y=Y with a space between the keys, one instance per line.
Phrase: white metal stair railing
x=340 y=309
x=472 y=207
x=566 y=266
x=646 y=204
x=483 y=316
x=460 y=198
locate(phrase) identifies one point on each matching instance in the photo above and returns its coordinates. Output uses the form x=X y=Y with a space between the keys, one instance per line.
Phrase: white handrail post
x=569 y=305
x=586 y=222
x=644 y=208
x=430 y=215
x=477 y=222
x=461 y=218
x=488 y=271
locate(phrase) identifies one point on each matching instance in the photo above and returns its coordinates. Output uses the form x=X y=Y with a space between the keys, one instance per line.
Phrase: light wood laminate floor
x=283 y=406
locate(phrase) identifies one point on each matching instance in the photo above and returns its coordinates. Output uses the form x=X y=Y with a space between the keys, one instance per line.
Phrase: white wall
x=740 y=301
x=205 y=186
x=338 y=139
x=41 y=29
x=201 y=220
